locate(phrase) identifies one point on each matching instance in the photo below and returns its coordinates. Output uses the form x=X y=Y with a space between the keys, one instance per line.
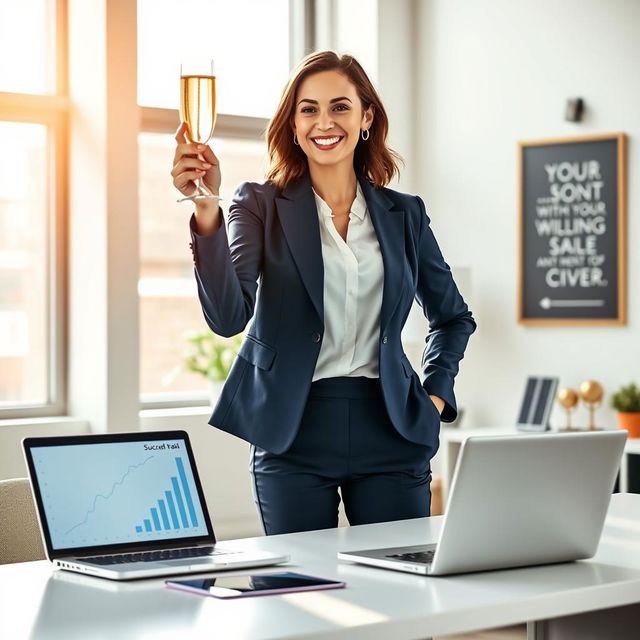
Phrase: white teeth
x=326 y=141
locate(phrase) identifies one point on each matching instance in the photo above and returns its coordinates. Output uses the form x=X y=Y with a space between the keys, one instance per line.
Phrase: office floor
x=518 y=632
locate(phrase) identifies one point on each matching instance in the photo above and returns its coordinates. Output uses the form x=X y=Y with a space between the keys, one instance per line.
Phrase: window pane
x=169 y=306
x=27 y=54
x=23 y=264
x=249 y=76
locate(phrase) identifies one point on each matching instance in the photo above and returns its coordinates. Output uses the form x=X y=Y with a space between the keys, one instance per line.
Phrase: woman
x=321 y=386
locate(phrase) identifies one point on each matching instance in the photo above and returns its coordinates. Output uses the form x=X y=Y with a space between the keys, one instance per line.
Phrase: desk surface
x=37 y=602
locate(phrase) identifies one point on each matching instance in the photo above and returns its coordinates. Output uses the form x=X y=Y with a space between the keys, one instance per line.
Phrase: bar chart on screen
x=176 y=510
x=119 y=492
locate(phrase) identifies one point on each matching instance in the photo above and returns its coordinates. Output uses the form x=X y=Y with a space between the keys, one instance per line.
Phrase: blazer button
x=315 y=337
x=384 y=340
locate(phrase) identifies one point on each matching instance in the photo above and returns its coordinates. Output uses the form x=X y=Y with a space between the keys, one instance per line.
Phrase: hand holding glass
x=198 y=111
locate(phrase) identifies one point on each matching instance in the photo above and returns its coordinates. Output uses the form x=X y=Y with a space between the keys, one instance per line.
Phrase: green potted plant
x=626 y=401
x=211 y=356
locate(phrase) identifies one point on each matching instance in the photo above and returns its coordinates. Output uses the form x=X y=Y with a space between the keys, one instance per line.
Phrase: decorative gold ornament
x=568 y=398
x=591 y=393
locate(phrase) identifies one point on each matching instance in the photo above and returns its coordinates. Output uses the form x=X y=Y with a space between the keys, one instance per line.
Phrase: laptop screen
x=104 y=493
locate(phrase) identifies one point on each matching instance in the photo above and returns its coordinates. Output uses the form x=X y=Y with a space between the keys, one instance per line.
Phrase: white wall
x=487 y=75
x=378 y=34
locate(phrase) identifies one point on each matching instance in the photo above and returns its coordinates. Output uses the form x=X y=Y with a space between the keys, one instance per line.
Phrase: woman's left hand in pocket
x=439 y=402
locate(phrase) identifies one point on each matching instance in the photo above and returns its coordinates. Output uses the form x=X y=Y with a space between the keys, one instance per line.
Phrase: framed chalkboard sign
x=572 y=239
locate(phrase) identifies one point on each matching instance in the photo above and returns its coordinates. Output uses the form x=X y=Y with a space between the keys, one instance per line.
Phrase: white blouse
x=353 y=279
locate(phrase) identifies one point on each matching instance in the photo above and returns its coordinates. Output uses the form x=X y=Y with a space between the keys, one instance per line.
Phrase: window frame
x=52 y=111
x=161 y=120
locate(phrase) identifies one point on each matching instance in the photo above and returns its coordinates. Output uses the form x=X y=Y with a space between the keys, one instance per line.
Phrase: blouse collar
x=358 y=208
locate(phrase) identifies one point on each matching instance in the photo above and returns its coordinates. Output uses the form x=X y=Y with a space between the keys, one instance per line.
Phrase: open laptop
x=517 y=501
x=126 y=505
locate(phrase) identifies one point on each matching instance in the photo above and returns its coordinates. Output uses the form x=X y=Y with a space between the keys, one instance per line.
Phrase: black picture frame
x=571 y=231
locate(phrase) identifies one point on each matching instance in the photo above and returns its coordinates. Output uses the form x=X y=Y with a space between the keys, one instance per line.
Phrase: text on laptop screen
x=115 y=493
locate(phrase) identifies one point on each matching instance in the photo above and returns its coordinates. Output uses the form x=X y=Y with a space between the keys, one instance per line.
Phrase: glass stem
x=202 y=190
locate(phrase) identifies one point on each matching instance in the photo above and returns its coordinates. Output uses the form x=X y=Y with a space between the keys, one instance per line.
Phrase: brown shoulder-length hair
x=372 y=158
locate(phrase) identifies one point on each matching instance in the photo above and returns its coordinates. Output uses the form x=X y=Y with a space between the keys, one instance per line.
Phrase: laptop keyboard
x=154 y=556
x=423 y=557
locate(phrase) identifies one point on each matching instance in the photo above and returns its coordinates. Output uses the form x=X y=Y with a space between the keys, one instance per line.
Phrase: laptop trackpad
x=188 y=562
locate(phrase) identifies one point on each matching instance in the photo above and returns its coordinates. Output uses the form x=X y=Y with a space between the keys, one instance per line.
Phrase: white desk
x=38 y=603
x=451 y=440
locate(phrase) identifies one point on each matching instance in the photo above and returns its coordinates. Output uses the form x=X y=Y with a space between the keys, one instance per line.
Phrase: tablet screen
x=238 y=586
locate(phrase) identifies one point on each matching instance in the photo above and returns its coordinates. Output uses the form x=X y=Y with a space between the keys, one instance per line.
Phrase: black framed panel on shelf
x=537 y=402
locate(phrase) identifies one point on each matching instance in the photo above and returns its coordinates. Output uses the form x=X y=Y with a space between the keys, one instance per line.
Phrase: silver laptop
x=517 y=501
x=126 y=505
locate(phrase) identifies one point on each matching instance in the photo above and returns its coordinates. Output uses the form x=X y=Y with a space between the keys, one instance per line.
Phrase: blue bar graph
x=181 y=509
x=163 y=513
x=171 y=512
x=172 y=509
x=156 y=520
x=187 y=492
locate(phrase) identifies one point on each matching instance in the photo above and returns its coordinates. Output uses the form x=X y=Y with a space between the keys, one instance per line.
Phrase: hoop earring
x=367 y=132
x=295 y=140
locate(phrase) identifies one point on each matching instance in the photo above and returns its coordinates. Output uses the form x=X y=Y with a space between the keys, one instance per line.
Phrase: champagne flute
x=198 y=110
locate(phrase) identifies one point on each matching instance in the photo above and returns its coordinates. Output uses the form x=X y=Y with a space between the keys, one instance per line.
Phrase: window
x=33 y=113
x=169 y=306
x=27 y=41
x=248 y=40
x=248 y=90
x=23 y=266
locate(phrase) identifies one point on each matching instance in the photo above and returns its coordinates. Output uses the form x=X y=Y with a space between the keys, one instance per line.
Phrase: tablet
x=254 y=585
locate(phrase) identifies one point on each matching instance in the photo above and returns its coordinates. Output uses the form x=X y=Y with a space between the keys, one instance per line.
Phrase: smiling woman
x=325 y=262
x=328 y=123
x=330 y=97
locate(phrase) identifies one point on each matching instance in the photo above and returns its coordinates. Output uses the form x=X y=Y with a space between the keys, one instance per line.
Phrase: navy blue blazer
x=270 y=261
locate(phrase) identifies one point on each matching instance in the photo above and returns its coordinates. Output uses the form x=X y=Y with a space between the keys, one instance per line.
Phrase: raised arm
x=227 y=267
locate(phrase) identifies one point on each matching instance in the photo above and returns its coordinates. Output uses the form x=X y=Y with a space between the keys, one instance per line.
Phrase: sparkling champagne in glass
x=198 y=110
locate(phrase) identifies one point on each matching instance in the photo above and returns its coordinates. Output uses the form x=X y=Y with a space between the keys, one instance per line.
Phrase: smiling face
x=328 y=118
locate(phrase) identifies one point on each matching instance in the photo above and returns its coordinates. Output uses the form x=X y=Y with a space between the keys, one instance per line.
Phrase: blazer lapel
x=299 y=219
x=389 y=226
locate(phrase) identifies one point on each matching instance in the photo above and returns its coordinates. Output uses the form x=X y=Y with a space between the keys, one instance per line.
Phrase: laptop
x=517 y=501
x=127 y=505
